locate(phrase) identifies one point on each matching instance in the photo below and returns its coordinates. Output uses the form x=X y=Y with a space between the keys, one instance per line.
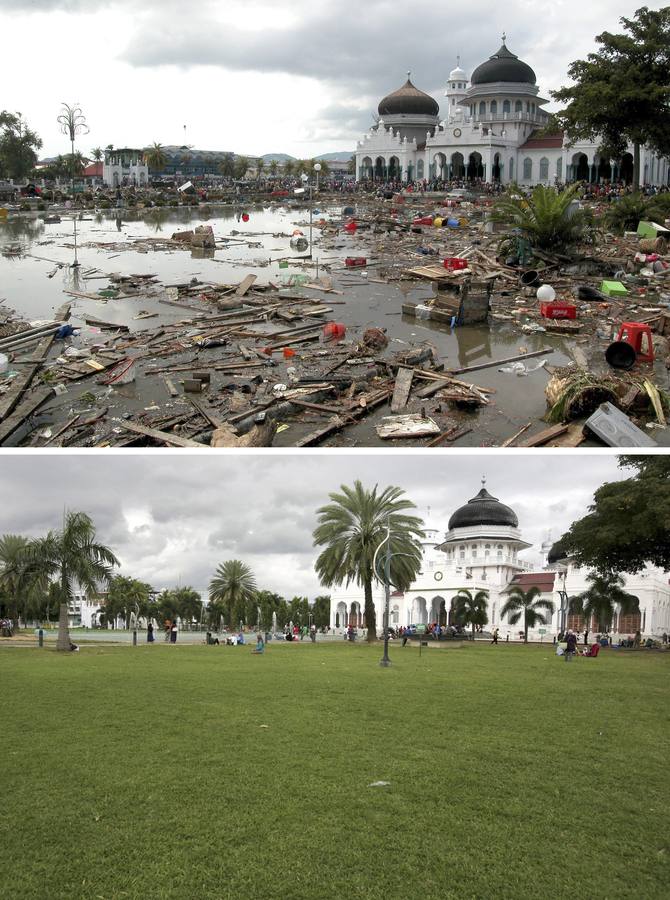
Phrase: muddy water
x=25 y=286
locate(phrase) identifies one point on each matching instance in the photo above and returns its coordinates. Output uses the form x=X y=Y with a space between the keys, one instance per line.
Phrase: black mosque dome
x=503 y=66
x=409 y=101
x=483 y=510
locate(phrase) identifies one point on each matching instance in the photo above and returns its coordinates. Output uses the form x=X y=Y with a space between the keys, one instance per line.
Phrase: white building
x=492 y=130
x=125 y=167
x=480 y=551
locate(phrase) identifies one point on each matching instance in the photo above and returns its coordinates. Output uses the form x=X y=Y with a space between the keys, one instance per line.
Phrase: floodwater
x=33 y=283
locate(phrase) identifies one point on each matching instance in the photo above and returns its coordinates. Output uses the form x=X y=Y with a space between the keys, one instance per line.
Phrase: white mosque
x=492 y=130
x=481 y=551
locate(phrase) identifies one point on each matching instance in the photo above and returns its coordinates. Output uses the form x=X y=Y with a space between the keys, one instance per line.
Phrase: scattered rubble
x=250 y=362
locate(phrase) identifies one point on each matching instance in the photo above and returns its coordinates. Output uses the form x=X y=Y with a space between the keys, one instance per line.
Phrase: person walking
x=495 y=636
x=150 y=633
x=586 y=637
x=173 y=633
x=571 y=647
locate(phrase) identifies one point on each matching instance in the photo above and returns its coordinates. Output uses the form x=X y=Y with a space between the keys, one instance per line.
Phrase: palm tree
x=97 y=154
x=13 y=571
x=605 y=592
x=525 y=603
x=155 y=157
x=273 y=167
x=260 y=165
x=227 y=165
x=73 y=556
x=353 y=526
x=544 y=219
x=289 y=167
x=233 y=585
x=470 y=609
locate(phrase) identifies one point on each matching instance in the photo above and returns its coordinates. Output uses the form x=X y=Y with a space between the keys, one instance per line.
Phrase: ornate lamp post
x=385 y=577
x=72 y=122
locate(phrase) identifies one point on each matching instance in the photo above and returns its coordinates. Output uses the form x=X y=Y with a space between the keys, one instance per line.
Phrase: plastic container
x=558 y=310
x=4 y=363
x=423 y=220
x=529 y=278
x=453 y=223
x=621 y=355
x=455 y=263
x=245 y=217
x=438 y=221
x=351 y=227
x=334 y=331
x=288 y=353
x=355 y=261
x=546 y=292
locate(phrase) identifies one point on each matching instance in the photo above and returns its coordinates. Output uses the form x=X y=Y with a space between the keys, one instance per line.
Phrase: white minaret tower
x=457 y=87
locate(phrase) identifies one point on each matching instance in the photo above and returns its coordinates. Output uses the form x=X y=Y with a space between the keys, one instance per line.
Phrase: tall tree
x=621 y=93
x=289 y=167
x=599 y=601
x=628 y=524
x=352 y=527
x=18 y=146
x=155 y=157
x=321 y=610
x=97 y=154
x=14 y=574
x=227 y=165
x=189 y=604
x=526 y=603
x=260 y=167
x=241 y=166
x=471 y=609
x=73 y=556
x=126 y=597
x=273 y=167
x=233 y=584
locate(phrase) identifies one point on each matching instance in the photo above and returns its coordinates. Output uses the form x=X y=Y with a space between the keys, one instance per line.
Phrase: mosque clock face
x=438 y=576
x=457 y=132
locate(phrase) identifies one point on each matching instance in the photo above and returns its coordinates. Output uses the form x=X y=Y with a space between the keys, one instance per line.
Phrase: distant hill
x=279 y=157
x=342 y=156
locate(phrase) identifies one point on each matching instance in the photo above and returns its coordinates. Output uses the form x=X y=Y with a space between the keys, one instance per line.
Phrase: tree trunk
x=473 y=632
x=63 y=642
x=636 y=166
x=370 y=615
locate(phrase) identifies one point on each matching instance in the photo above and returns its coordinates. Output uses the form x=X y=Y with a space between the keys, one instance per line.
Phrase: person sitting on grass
x=260 y=644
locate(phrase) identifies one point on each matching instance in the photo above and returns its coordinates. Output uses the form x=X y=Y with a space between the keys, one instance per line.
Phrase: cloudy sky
x=173 y=518
x=253 y=76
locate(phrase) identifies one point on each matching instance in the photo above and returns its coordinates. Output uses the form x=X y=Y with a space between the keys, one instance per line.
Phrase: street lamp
x=72 y=122
x=388 y=556
x=317 y=169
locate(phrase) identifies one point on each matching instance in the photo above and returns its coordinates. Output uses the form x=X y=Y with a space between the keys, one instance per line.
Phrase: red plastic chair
x=639 y=337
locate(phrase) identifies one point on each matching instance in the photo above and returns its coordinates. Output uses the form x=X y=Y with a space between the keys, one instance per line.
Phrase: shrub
x=544 y=219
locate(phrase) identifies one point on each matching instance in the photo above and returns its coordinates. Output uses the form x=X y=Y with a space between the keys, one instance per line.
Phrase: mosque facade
x=480 y=551
x=494 y=130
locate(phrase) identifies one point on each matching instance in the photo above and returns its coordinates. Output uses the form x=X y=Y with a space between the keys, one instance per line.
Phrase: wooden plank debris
x=163 y=436
x=403 y=386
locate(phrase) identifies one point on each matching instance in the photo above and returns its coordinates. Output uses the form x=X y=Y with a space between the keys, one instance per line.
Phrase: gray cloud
x=173 y=518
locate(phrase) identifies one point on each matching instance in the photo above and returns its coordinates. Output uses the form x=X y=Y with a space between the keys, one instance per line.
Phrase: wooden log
x=172 y=439
x=206 y=413
x=13 y=422
x=542 y=437
x=244 y=285
x=403 y=386
x=258 y=436
x=510 y=441
x=501 y=362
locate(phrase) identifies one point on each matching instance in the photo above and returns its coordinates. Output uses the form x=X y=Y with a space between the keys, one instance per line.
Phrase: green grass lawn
x=184 y=772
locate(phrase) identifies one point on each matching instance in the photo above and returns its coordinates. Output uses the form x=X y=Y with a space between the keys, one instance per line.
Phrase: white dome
x=458 y=74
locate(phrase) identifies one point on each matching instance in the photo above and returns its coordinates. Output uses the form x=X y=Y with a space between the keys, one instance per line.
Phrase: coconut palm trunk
x=370 y=612
x=64 y=641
